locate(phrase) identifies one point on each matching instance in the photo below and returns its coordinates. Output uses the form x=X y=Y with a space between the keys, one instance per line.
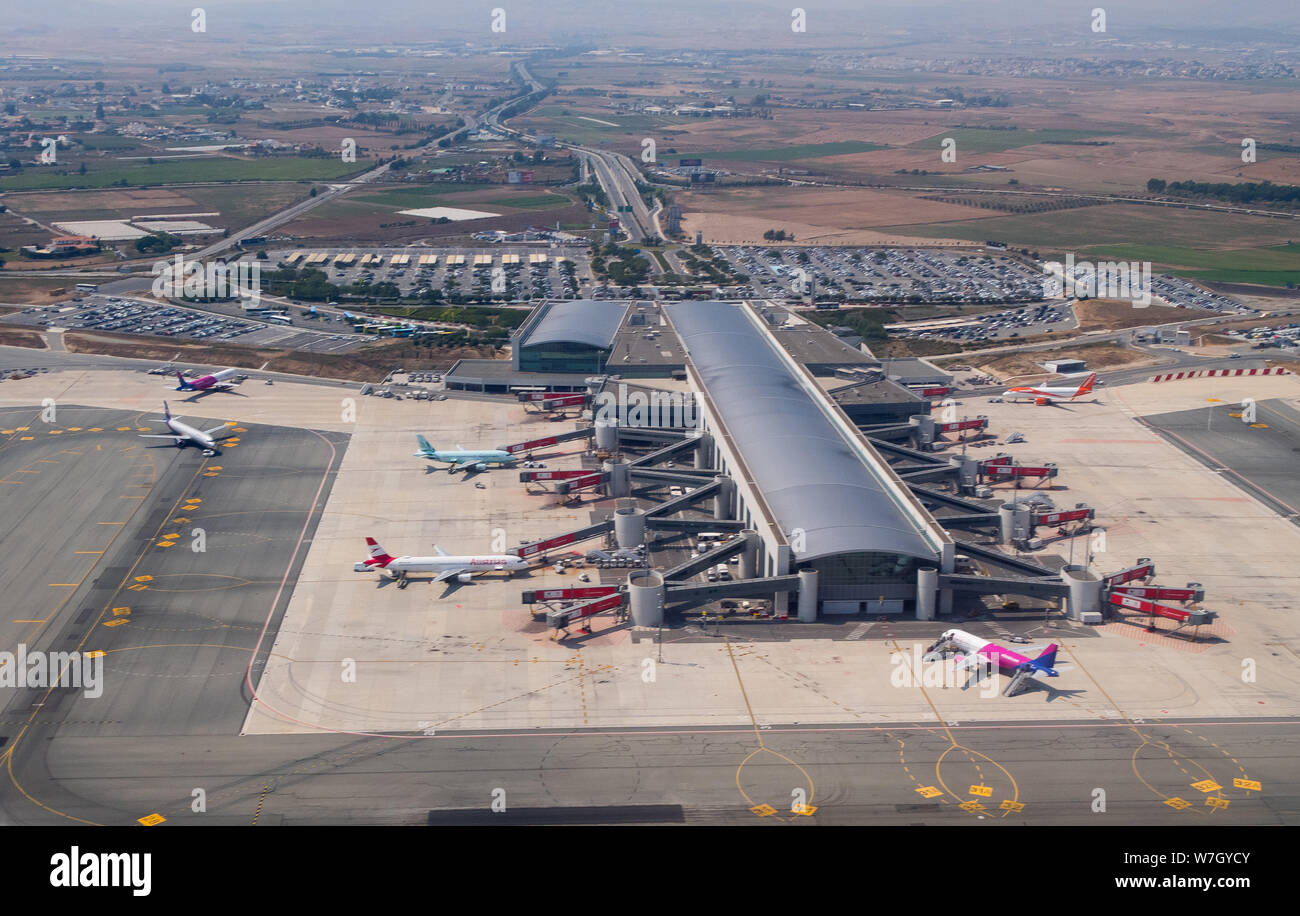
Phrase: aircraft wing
x=159 y=436
x=439 y=551
x=219 y=429
x=448 y=573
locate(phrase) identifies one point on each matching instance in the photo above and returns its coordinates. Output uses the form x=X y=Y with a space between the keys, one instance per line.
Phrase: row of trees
x=1247 y=192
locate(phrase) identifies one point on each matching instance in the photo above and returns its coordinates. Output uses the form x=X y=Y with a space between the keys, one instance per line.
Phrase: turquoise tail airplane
x=471 y=460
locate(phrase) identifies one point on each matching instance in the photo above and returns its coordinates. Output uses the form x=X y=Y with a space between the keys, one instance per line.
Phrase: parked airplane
x=1043 y=394
x=469 y=459
x=184 y=435
x=445 y=565
x=972 y=651
x=216 y=381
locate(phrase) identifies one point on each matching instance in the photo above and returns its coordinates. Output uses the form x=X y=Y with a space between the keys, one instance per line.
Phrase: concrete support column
x=927 y=590
x=947 y=564
x=629 y=528
x=922 y=430
x=606 y=434
x=808 y=595
x=704 y=452
x=966 y=469
x=1085 y=590
x=782 y=566
x=620 y=478
x=726 y=495
x=1015 y=521
x=645 y=590
x=749 y=557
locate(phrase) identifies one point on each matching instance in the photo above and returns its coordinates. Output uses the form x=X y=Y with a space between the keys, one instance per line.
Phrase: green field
x=1275 y=266
x=528 y=202
x=187 y=170
x=788 y=153
x=975 y=140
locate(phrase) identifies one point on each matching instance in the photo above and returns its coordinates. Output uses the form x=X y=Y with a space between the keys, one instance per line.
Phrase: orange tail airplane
x=1043 y=394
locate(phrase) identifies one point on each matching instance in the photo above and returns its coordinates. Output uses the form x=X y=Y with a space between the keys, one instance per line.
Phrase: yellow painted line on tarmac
x=150 y=820
x=22 y=429
x=26 y=438
x=110 y=523
x=56 y=432
x=62 y=584
x=89 y=551
x=123 y=429
x=116 y=623
x=32 y=621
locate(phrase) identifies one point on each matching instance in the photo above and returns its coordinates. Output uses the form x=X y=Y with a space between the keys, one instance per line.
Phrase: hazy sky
x=690 y=22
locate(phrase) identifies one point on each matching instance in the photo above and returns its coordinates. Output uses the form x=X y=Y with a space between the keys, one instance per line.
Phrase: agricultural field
x=1274 y=266
x=181 y=171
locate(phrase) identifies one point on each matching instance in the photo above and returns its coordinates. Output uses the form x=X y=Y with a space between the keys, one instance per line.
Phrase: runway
x=174 y=565
x=1254 y=445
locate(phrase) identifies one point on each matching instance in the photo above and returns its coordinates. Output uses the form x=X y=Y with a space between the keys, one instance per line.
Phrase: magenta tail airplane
x=971 y=651
x=216 y=381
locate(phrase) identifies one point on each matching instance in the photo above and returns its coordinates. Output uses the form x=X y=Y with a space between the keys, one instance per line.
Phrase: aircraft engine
x=465 y=577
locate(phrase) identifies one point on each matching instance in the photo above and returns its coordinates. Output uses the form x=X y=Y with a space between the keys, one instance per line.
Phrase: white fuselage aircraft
x=444 y=564
x=1044 y=394
x=183 y=434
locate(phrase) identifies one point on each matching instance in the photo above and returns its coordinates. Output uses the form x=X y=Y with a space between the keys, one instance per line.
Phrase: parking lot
x=1042 y=318
x=142 y=316
x=890 y=275
x=521 y=272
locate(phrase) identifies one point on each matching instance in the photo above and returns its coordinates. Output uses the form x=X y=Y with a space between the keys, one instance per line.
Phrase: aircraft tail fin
x=424 y=444
x=378 y=556
x=1087 y=385
x=1048 y=656
x=184 y=385
x=167 y=411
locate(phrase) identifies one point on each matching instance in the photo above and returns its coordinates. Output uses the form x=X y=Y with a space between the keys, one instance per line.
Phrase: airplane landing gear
x=403 y=582
x=208 y=453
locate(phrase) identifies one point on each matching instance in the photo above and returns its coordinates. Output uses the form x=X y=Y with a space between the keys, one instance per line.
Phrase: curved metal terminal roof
x=799 y=460
x=579 y=321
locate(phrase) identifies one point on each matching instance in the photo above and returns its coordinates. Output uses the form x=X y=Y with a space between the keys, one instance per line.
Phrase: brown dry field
x=143 y=201
x=1117 y=314
x=815 y=216
x=16 y=336
x=1028 y=364
x=360 y=366
x=35 y=290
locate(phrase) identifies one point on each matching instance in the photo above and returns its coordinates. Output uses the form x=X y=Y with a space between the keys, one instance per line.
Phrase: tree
x=99 y=111
x=313 y=192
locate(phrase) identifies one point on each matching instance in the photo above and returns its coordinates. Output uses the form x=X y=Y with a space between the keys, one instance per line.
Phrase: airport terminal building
x=805 y=478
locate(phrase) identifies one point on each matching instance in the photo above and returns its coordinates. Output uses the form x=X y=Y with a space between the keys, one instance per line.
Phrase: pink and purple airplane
x=973 y=652
x=215 y=382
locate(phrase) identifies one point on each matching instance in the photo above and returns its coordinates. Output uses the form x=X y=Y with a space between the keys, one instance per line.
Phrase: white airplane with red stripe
x=464 y=568
x=1045 y=394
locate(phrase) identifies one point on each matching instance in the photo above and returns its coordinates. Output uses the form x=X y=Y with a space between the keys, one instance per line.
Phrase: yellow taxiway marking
x=982 y=791
x=62 y=584
x=121 y=612
x=1178 y=804
x=26 y=438
x=150 y=820
x=1253 y=785
x=74 y=429
x=96 y=429
x=1206 y=785
x=22 y=429
x=1215 y=802
x=88 y=551
x=115 y=623
x=929 y=792
x=166 y=544
x=144 y=578
x=1259 y=426
x=6 y=432
x=56 y=432
x=31 y=621
x=123 y=429
x=110 y=523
